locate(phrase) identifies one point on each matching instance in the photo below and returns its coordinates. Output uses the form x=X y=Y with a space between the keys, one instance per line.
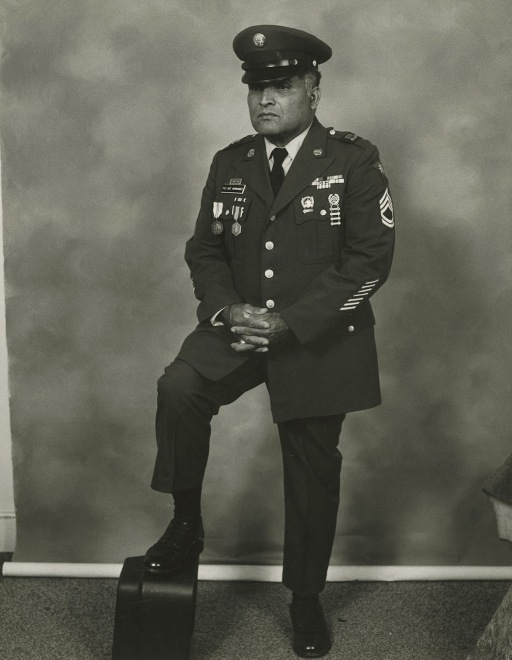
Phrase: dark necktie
x=277 y=173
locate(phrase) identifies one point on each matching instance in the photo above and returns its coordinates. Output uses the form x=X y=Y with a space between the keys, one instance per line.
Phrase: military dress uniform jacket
x=316 y=254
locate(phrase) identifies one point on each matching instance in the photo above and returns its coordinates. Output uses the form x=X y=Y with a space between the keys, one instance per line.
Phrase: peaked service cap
x=275 y=52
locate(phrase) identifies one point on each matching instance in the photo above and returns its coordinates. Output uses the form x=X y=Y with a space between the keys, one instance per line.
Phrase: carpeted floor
x=72 y=619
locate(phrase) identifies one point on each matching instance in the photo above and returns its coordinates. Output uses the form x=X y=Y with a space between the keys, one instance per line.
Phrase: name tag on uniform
x=233 y=188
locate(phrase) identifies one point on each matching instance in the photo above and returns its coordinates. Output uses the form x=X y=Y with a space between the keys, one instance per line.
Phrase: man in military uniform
x=295 y=233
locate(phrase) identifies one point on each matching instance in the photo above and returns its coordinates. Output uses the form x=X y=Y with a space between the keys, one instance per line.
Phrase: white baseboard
x=228 y=572
x=7 y=531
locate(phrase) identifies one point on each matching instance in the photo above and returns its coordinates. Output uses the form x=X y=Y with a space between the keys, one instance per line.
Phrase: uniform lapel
x=309 y=163
x=253 y=167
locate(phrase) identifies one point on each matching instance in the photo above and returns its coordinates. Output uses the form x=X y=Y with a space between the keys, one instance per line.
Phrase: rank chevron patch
x=358 y=297
x=386 y=209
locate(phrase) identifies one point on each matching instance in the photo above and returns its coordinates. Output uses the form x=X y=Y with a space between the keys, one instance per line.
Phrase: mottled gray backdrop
x=111 y=112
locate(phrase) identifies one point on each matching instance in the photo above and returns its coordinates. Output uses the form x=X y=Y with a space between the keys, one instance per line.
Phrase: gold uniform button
x=323 y=212
x=351 y=328
x=269 y=304
x=269 y=273
x=272 y=218
x=269 y=245
x=332 y=131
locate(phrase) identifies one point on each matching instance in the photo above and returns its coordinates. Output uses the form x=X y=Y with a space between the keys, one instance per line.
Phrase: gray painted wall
x=7 y=514
x=111 y=112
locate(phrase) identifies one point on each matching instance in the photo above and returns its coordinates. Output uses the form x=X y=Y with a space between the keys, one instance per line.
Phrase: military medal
x=307 y=204
x=217 y=227
x=334 y=209
x=236 y=227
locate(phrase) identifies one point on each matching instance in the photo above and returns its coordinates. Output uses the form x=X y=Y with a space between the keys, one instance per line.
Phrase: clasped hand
x=255 y=327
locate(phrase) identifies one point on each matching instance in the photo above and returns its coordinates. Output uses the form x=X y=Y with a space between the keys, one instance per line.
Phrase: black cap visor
x=271 y=73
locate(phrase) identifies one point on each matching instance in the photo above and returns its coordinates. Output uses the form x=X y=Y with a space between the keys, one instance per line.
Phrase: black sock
x=187 y=503
x=299 y=599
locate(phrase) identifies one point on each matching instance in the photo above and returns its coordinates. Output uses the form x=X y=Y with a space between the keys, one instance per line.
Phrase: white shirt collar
x=292 y=148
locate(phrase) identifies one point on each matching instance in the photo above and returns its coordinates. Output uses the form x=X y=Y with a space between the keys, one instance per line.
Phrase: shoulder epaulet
x=346 y=136
x=244 y=140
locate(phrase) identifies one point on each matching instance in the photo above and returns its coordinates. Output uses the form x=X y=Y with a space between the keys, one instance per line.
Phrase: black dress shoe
x=182 y=541
x=311 y=637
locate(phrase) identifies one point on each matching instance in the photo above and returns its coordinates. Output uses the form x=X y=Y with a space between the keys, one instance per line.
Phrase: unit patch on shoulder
x=386 y=210
x=378 y=166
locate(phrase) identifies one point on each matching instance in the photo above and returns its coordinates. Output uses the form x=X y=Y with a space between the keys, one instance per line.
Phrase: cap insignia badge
x=259 y=40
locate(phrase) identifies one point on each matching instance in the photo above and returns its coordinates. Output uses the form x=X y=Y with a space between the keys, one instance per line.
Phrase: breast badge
x=334 y=209
x=307 y=204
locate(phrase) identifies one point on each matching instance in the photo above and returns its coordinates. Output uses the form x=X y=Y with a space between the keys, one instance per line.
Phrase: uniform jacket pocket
x=319 y=224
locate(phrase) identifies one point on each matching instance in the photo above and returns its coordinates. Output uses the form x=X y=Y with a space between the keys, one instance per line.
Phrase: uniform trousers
x=311 y=461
